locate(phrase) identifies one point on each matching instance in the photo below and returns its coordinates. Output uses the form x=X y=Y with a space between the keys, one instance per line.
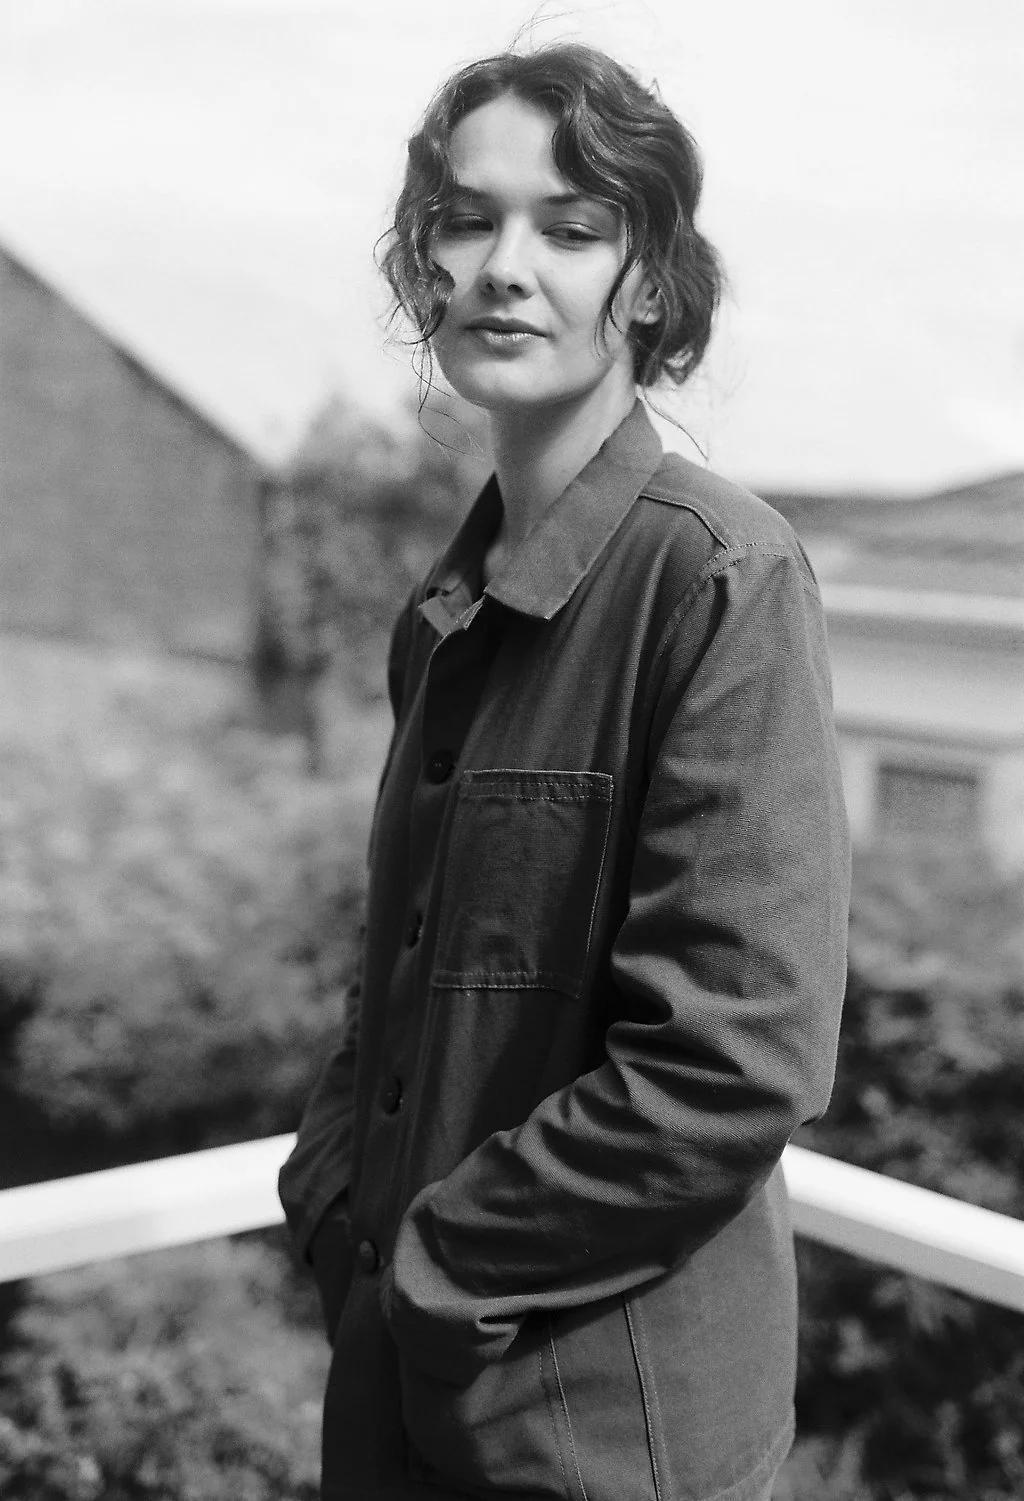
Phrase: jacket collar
x=545 y=571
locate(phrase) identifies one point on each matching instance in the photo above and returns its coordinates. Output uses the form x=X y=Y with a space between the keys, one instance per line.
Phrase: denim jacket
x=603 y=970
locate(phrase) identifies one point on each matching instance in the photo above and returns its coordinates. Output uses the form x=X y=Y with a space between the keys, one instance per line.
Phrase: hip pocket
x=561 y=1415
x=522 y=876
x=504 y=1432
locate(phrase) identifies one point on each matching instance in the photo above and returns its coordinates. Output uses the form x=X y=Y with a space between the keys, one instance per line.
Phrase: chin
x=500 y=395
x=511 y=391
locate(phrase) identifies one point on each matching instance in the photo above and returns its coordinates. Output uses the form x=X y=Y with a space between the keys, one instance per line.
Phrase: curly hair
x=614 y=141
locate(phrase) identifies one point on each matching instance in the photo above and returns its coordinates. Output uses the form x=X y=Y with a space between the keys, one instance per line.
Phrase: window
x=938 y=804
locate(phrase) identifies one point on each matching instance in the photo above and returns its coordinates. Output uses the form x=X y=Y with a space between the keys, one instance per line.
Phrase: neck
x=538 y=453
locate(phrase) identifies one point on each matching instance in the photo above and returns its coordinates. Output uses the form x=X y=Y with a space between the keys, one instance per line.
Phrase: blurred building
x=925 y=603
x=127 y=516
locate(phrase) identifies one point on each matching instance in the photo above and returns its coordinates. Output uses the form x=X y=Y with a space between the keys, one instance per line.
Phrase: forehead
x=504 y=147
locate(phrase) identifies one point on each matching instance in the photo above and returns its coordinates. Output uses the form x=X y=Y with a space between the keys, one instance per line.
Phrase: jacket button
x=415 y=928
x=440 y=766
x=391 y=1096
x=368 y=1256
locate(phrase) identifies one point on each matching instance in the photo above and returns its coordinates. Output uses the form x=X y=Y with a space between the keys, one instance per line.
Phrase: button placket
x=368 y=1256
x=456 y=675
x=391 y=1096
x=439 y=767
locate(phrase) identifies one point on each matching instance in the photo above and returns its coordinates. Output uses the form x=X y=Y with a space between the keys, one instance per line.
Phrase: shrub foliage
x=187 y=1375
x=921 y=1389
x=179 y=904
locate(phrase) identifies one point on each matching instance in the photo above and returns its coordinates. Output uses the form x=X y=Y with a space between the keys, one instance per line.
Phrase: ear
x=648 y=306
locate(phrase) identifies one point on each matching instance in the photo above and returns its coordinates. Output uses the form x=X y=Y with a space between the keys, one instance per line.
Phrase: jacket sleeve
x=729 y=972
x=319 y=1168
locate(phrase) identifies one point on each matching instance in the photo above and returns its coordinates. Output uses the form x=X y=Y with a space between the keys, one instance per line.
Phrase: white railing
x=176 y=1200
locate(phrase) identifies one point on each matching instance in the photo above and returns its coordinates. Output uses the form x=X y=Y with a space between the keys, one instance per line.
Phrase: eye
x=574 y=234
x=464 y=224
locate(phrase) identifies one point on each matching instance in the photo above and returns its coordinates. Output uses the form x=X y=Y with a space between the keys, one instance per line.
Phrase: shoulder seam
x=714 y=568
x=730 y=546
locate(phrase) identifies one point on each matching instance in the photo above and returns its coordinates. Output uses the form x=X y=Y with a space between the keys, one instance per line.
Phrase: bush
x=364 y=509
x=188 y=1375
x=180 y=907
x=922 y=1387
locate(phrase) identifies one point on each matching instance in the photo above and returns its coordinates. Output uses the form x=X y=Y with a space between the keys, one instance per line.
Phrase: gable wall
x=124 y=517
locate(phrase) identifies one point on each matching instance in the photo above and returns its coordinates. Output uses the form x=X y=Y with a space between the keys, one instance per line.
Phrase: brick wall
x=125 y=517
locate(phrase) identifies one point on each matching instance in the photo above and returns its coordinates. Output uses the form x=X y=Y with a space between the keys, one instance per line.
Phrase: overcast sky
x=207 y=178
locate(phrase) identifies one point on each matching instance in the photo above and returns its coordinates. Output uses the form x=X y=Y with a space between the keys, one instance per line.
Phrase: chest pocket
x=521 y=880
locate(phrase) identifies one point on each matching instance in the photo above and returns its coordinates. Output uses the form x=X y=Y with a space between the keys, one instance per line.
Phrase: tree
x=351 y=524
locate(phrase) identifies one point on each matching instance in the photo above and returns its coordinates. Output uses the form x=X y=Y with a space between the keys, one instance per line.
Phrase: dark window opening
x=928 y=803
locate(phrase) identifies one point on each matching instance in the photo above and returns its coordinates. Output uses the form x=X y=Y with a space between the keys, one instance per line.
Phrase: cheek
x=595 y=334
x=584 y=301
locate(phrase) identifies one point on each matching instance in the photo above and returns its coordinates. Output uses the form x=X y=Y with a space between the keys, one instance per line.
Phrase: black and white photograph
x=511 y=751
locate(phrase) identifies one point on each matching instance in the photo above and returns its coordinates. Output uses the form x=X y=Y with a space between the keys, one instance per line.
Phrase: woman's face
x=532 y=265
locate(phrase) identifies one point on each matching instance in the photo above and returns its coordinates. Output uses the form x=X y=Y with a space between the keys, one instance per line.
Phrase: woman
x=539 y=1182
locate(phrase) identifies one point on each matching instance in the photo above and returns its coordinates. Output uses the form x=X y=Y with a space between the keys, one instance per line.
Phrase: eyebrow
x=550 y=200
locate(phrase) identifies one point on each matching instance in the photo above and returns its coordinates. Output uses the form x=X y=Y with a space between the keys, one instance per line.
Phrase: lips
x=503 y=326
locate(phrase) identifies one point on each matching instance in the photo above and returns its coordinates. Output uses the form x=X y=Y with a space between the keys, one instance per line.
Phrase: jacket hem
x=752 y=1485
x=417 y=1491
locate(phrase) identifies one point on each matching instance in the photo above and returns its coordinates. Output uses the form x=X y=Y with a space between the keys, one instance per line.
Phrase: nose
x=506 y=268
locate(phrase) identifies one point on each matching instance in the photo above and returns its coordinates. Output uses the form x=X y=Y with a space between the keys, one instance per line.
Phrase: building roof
x=966 y=540
x=139 y=368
